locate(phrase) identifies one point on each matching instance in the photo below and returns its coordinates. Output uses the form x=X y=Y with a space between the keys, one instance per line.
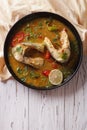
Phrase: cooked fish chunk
x=19 y=54
x=34 y=62
x=62 y=54
x=64 y=39
x=38 y=46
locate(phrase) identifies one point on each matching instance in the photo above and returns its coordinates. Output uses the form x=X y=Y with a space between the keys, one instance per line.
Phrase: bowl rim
x=31 y=17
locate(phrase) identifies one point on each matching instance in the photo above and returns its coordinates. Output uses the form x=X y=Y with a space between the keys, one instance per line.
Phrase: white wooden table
x=64 y=108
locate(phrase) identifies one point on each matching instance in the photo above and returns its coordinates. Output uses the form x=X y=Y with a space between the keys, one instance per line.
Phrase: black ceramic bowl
x=29 y=18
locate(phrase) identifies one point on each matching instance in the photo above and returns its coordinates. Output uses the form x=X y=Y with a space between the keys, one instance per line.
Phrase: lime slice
x=55 y=77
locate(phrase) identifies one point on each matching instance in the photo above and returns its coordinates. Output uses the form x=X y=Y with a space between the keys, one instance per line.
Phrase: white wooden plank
x=46 y=109
x=13 y=106
x=76 y=100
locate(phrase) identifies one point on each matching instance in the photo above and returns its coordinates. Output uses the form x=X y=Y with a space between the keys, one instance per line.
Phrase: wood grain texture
x=64 y=108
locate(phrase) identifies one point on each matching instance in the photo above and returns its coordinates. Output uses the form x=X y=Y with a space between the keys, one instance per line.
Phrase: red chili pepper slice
x=46 y=72
x=40 y=36
x=54 y=65
x=14 y=43
x=47 y=55
x=20 y=36
x=27 y=34
x=65 y=29
x=17 y=38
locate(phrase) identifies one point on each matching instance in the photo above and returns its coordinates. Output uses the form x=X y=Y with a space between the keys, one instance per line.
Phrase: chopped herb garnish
x=25 y=69
x=48 y=84
x=64 y=56
x=19 y=70
x=54 y=39
x=27 y=38
x=23 y=79
x=49 y=21
x=52 y=28
x=40 y=25
x=35 y=28
x=27 y=29
x=33 y=35
x=34 y=74
x=19 y=49
x=74 y=46
x=66 y=73
x=43 y=78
